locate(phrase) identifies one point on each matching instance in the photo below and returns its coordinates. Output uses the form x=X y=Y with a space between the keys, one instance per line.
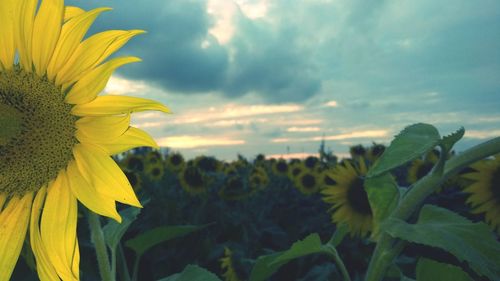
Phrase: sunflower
x=135 y=180
x=311 y=162
x=374 y=152
x=57 y=134
x=348 y=197
x=307 y=182
x=227 y=266
x=234 y=188
x=155 y=171
x=153 y=157
x=207 y=164
x=280 y=167
x=295 y=169
x=421 y=167
x=134 y=162
x=175 y=162
x=192 y=180
x=357 y=151
x=485 y=190
x=258 y=178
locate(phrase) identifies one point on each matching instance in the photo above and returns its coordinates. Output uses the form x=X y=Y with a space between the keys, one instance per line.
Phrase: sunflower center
x=495 y=184
x=308 y=181
x=356 y=195
x=175 y=160
x=193 y=177
x=40 y=144
x=282 y=167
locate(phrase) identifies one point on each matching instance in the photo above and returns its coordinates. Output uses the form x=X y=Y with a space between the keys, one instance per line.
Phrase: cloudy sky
x=278 y=76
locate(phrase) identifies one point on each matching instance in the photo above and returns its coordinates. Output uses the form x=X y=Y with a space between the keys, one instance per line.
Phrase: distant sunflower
x=311 y=162
x=135 y=180
x=357 y=151
x=485 y=190
x=134 y=162
x=227 y=266
x=207 y=164
x=349 y=199
x=258 y=178
x=57 y=133
x=295 y=169
x=153 y=157
x=280 y=167
x=192 y=180
x=175 y=162
x=307 y=182
x=374 y=152
x=155 y=172
x=419 y=168
x=234 y=188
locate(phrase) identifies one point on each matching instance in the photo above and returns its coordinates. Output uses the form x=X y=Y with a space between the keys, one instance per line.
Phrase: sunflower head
x=193 y=180
x=307 y=182
x=258 y=178
x=311 y=162
x=234 y=188
x=135 y=180
x=155 y=172
x=484 y=190
x=207 y=164
x=280 y=167
x=57 y=133
x=175 y=162
x=348 y=197
x=134 y=162
x=357 y=151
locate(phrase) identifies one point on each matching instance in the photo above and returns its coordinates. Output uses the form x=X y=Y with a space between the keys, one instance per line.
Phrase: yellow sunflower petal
x=101 y=129
x=44 y=268
x=88 y=195
x=71 y=12
x=132 y=138
x=92 y=83
x=7 y=17
x=71 y=34
x=92 y=52
x=23 y=35
x=13 y=225
x=102 y=172
x=113 y=105
x=46 y=31
x=58 y=226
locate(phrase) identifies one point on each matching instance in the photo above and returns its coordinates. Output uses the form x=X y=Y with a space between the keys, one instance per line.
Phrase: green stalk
x=332 y=252
x=386 y=250
x=100 y=246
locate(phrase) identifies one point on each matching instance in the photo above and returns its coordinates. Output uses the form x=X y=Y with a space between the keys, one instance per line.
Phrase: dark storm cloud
x=267 y=59
x=172 y=52
x=180 y=55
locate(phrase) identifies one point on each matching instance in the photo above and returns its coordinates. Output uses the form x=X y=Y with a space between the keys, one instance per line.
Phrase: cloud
x=190 y=142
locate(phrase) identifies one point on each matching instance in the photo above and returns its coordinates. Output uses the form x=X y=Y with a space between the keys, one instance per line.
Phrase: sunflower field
x=265 y=219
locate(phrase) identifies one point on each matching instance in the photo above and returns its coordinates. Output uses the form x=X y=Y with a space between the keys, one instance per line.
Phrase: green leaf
x=265 y=266
x=471 y=242
x=192 y=273
x=428 y=269
x=449 y=141
x=114 y=231
x=412 y=142
x=143 y=242
x=383 y=195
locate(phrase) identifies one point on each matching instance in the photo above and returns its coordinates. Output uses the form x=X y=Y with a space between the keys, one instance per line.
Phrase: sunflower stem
x=10 y=123
x=332 y=252
x=100 y=246
x=388 y=248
